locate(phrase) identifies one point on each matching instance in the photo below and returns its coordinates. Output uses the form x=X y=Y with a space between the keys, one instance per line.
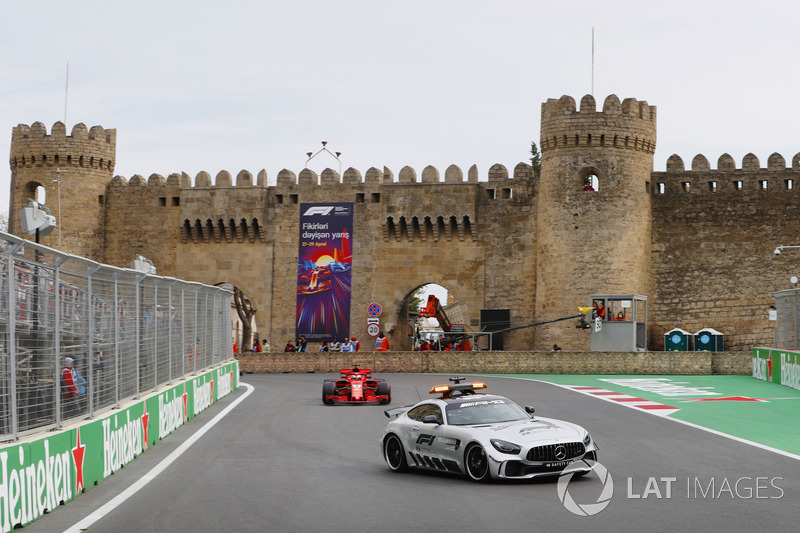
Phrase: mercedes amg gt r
x=482 y=436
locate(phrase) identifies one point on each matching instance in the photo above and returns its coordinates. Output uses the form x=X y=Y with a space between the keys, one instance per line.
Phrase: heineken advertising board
x=38 y=476
x=777 y=366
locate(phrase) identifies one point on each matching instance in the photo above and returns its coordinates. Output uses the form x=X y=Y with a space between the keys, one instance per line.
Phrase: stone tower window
x=712 y=186
x=789 y=184
x=589 y=179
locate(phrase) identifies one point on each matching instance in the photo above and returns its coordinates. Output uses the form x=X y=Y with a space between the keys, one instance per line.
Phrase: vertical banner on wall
x=324 y=271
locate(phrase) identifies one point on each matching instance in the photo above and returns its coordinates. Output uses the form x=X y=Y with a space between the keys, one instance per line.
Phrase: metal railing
x=126 y=333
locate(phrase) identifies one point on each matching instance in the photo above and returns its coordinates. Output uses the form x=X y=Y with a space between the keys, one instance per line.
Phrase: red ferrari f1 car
x=356 y=386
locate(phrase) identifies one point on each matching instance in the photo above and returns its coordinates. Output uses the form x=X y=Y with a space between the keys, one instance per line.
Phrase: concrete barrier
x=42 y=472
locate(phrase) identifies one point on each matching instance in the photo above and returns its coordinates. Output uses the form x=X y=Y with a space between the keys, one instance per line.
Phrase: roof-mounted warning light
x=464 y=388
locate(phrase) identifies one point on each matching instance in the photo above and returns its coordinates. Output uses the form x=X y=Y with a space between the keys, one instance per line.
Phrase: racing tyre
x=394 y=453
x=328 y=389
x=385 y=390
x=476 y=463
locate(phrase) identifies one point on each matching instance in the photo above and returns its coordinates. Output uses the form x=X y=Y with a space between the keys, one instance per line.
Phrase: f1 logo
x=426 y=439
x=319 y=210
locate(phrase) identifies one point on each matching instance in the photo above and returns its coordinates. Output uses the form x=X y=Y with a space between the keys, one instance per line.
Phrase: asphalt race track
x=281 y=461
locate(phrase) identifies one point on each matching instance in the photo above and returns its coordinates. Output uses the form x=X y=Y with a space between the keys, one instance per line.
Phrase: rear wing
x=395 y=411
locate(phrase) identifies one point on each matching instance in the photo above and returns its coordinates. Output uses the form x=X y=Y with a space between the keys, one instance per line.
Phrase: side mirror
x=529 y=409
x=430 y=419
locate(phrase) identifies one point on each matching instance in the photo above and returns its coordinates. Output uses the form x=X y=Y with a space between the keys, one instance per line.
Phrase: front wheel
x=328 y=389
x=477 y=463
x=394 y=454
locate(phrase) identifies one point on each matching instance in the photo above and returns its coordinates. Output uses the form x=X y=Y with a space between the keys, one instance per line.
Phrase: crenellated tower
x=592 y=241
x=87 y=156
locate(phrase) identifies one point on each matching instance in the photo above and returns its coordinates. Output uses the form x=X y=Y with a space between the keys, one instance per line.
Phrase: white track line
x=156 y=470
x=709 y=430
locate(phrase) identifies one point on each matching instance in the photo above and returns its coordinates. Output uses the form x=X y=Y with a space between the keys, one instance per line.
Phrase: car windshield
x=488 y=411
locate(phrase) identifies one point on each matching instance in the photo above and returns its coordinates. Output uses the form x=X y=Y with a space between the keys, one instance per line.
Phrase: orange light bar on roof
x=439 y=388
x=479 y=385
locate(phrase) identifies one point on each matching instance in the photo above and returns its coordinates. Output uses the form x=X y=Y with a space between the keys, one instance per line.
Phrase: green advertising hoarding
x=777 y=366
x=39 y=475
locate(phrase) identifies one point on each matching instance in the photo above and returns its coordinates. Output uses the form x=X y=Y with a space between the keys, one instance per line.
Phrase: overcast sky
x=209 y=85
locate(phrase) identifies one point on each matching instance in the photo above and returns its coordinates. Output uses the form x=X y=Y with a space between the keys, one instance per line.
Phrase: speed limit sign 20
x=373 y=330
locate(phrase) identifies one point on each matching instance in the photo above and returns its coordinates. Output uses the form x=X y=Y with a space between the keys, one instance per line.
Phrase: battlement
x=750 y=163
x=286 y=178
x=31 y=146
x=630 y=124
x=751 y=177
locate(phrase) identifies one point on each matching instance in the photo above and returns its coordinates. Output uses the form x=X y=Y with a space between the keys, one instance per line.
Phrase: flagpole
x=66 y=93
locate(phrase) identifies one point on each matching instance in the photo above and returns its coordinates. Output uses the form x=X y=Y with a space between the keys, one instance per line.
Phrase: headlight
x=587 y=440
x=505 y=446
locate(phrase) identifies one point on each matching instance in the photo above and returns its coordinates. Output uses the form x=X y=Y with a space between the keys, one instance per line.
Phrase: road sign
x=373 y=330
x=374 y=310
x=373 y=321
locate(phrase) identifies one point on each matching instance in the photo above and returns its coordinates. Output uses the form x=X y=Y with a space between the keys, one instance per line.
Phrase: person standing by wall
x=382 y=343
x=302 y=343
x=69 y=388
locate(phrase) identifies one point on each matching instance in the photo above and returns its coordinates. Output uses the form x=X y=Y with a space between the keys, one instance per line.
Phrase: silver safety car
x=483 y=436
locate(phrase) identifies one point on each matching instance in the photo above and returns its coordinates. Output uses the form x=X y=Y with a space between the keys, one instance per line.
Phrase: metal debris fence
x=787 y=328
x=127 y=333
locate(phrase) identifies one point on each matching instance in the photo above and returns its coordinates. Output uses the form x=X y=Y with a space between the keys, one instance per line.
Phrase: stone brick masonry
x=678 y=363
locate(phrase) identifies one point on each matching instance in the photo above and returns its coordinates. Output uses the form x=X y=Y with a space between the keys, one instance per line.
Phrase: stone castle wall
x=714 y=232
x=697 y=242
x=407 y=233
x=143 y=217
